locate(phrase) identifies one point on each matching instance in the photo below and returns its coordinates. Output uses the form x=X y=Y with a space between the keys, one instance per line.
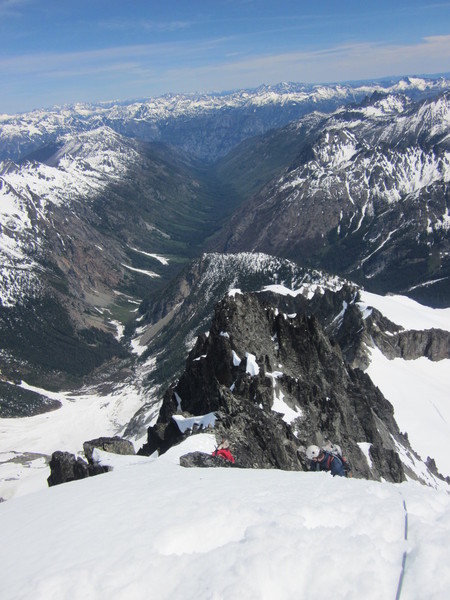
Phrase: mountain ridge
x=342 y=199
x=177 y=119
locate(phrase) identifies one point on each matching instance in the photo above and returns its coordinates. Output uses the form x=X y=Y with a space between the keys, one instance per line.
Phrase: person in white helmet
x=321 y=460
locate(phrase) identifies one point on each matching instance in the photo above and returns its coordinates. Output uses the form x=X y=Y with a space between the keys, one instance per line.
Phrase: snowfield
x=419 y=390
x=407 y=312
x=157 y=530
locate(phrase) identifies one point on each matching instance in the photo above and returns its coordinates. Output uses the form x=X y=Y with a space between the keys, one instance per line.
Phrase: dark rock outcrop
x=201 y=459
x=434 y=344
x=65 y=466
x=431 y=464
x=115 y=445
x=256 y=365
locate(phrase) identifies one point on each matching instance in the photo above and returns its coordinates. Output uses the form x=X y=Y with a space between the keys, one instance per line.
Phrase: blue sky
x=64 y=51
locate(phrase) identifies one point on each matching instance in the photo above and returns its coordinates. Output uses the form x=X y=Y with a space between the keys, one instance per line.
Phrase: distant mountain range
x=206 y=126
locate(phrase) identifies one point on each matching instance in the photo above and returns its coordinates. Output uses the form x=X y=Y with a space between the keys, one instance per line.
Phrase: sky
x=54 y=52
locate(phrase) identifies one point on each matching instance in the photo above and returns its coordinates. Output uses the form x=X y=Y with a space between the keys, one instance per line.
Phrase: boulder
x=115 y=445
x=64 y=467
x=201 y=459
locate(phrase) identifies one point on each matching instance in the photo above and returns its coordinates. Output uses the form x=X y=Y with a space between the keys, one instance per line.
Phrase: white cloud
x=10 y=8
x=153 y=69
x=351 y=61
x=338 y=63
x=146 y=25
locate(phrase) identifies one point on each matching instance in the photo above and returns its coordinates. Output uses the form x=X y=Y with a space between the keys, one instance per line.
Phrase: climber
x=321 y=460
x=223 y=450
x=336 y=450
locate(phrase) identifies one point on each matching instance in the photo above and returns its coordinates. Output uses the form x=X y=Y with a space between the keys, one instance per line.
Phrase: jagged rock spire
x=278 y=383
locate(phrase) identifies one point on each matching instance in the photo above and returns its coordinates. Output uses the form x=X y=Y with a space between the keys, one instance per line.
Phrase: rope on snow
x=405 y=553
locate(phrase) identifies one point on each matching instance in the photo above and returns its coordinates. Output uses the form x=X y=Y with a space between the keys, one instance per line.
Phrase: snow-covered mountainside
x=154 y=529
x=71 y=254
x=31 y=192
x=367 y=196
x=207 y=126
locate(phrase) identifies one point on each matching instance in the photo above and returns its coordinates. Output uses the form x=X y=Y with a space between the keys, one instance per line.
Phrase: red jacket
x=224 y=453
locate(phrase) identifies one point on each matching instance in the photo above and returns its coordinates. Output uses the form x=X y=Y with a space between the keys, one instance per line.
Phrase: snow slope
x=419 y=390
x=26 y=443
x=407 y=312
x=157 y=530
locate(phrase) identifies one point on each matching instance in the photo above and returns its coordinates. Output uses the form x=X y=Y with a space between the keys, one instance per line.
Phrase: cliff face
x=277 y=383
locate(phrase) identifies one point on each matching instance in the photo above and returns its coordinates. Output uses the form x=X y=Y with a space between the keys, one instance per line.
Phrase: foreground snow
x=156 y=530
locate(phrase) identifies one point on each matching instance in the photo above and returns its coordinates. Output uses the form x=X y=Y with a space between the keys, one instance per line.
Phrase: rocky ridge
x=277 y=383
x=170 y=320
x=367 y=197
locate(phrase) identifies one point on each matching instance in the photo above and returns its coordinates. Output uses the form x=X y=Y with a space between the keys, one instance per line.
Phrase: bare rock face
x=203 y=460
x=433 y=343
x=256 y=365
x=115 y=445
x=65 y=467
